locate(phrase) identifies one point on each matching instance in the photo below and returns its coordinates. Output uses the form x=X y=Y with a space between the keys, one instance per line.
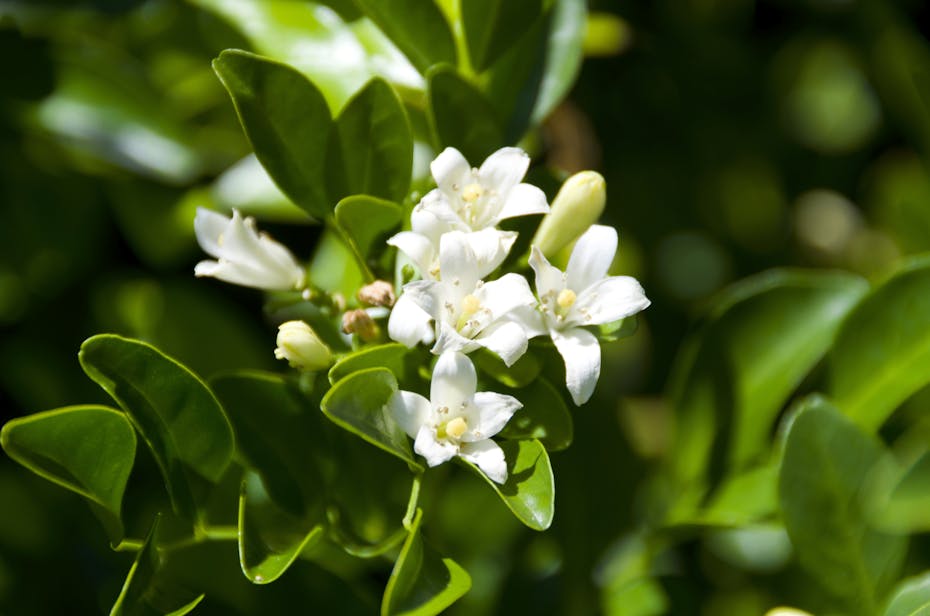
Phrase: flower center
x=453 y=428
x=467 y=309
x=566 y=299
x=472 y=192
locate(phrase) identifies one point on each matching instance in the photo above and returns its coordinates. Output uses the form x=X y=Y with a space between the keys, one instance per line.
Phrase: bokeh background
x=735 y=136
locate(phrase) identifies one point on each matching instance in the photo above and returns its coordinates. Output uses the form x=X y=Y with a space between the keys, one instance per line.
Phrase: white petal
x=488 y=456
x=608 y=300
x=410 y=410
x=449 y=339
x=530 y=319
x=208 y=227
x=548 y=277
x=506 y=339
x=491 y=412
x=435 y=451
x=582 y=355
x=236 y=273
x=454 y=381
x=504 y=294
x=491 y=247
x=450 y=170
x=504 y=169
x=522 y=200
x=429 y=295
x=409 y=324
x=591 y=257
x=418 y=249
x=458 y=265
x=432 y=217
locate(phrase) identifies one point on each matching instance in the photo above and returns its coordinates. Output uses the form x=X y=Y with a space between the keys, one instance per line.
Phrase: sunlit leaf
x=544 y=416
x=287 y=122
x=882 y=351
x=357 y=403
x=86 y=449
x=461 y=117
x=365 y=218
x=825 y=461
x=390 y=356
x=529 y=491
x=177 y=415
x=417 y=27
x=897 y=496
x=911 y=597
x=422 y=582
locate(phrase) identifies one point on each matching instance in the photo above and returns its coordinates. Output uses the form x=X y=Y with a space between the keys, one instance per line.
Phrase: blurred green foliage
x=735 y=136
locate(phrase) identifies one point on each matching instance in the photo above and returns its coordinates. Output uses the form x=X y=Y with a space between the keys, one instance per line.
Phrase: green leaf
x=519 y=375
x=825 y=460
x=390 y=356
x=365 y=218
x=277 y=435
x=897 y=496
x=460 y=116
x=86 y=449
x=489 y=26
x=417 y=27
x=422 y=583
x=371 y=151
x=287 y=122
x=762 y=337
x=911 y=597
x=334 y=270
x=173 y=409
x=357 y=403
x=144 y=593
x=270 y=539
x=529 y=491
x=544 y=416
x=882 y=351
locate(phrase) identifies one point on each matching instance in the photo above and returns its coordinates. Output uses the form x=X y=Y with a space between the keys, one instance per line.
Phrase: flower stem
x=412 y=503
x=349 y=243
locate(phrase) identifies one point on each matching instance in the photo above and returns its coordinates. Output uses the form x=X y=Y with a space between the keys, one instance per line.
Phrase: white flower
x=582 y=296
x=300 y=346
x=244 y=256
x=468 y=312
x=456 y=421
x=471 y=199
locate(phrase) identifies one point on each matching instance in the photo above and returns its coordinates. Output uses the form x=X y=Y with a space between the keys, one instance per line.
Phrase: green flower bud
x=578 y=205
x=301 y=347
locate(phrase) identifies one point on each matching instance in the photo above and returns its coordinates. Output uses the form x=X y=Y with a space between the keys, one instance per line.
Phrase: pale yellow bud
x=301 y=347
x=578 y=205
x=786 y=611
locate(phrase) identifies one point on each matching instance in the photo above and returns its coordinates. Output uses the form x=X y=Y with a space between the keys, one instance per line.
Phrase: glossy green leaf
x=544 y=416
x=390 y=356
x=422 y=582
x=882 y=351
x=461 y=117
x=489 y=26
x=519 y=375
x=270 y=540
x=144 y=593
x=417 y=27
x=365 y=218
x=825 y=461
x=333 y=269
x=529 y=491
x=911 y=597
x=86 y=449
x=371 y=151
x=762 y=337
x=277 y=434
x=357 y=403
x=173 y=409
x=897 y=496
x=287 y=122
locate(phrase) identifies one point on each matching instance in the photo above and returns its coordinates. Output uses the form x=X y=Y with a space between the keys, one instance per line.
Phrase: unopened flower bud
x=378 y=293
x=301 y=347
x=360 y=322
x=578 y=205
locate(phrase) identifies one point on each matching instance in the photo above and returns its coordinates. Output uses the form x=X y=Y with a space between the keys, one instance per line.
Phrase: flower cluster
x=456 y=305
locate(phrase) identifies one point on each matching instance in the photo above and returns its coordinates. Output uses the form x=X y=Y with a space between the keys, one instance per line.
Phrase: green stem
x=129 y=545
x=350 y=244
x=412 y=503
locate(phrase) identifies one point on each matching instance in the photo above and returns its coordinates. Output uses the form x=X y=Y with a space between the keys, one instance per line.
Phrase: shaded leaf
x=173 y=409
x=460 y=116
x=911 y=597
x=544 y=416
x=417 y=27
x=390 y=356
x=422 y=583
x=882 y=351
x=357 y=403
x=897 y=496
x=529 y=491
x=86 y=449
x=365 y=218
x=287 y=122
x=520 y=374
x=489 y=26
x=825 y=460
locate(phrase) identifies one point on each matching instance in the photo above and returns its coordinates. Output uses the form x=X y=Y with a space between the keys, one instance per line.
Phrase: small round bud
x=300 y=346
x=377 y=293
x=578 y=205
x=360 y=322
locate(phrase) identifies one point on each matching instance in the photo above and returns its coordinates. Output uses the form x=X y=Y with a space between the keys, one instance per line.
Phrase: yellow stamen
x=566 y=299
x=472 y=193
x=456 y=428
x=470 y=305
